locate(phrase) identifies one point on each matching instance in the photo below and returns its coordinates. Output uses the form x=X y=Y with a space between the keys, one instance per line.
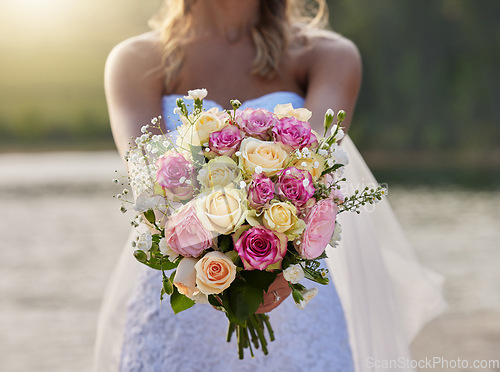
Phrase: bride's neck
x=230 y=19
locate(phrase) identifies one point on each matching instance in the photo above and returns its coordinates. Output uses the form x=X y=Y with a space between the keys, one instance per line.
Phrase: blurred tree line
x=431 y=74
x=431 y=81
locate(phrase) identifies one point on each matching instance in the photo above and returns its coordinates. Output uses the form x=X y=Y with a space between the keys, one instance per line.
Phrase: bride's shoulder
x=138 y=53
x=318 y=49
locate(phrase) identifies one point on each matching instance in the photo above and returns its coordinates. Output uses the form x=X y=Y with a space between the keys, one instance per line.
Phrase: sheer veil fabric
x=387 y=296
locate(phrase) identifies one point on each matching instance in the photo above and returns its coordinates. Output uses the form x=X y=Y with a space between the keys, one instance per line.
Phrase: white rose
x=219 y=171
x=222 y=210
x=196 y=94
x=308 y=295
x=287 y=110
x=167 y=251
x=293 y=273
x=185 y=277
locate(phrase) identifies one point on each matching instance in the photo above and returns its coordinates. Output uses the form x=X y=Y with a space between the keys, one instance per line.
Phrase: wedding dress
x=377 y=300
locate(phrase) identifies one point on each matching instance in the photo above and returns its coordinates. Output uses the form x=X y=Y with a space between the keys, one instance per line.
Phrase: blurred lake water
x=62 y=231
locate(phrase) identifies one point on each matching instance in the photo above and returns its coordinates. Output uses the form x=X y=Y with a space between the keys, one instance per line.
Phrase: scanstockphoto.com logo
x=438 y=363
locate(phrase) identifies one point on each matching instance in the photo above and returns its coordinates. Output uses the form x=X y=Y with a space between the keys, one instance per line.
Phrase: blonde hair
x=278 y=20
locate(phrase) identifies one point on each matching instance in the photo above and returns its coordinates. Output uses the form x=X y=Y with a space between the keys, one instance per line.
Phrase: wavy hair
x=278 y=20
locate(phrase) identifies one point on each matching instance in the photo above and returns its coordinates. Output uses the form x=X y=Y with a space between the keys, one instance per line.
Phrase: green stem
x=255 y=339
x=258 y=327
x=230 y=330
x=269 y=328
x=240 y=342
x=248 y=343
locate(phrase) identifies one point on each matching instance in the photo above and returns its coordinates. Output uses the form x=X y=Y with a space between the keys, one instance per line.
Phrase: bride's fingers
x=278 y=291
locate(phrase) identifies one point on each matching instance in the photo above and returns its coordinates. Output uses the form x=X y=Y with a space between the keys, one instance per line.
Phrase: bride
x=264 y=53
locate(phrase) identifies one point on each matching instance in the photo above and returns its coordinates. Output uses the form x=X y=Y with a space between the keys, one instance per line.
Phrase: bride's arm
x=134 y=87
x=334 y=78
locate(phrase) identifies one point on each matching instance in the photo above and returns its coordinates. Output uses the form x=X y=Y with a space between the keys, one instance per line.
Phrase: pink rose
x=185 y=234
x=176 y=176
x=226 y=141
x=260 y=191
x=295 y=185
x=259 y=247
x=294 y=134
x=257 y=123
x=320 y=224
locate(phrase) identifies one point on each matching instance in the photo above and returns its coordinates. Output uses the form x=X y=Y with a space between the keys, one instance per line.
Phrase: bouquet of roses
x=234 y=199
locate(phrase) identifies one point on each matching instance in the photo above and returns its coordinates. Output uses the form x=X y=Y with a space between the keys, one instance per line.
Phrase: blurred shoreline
x=62 y=232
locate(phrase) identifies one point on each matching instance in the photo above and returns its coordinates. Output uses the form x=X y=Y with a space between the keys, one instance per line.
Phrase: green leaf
x=141 y=256
x=259 y=279
x=179 y=302
x=150 y=216
x=225 y=243
x=155 y=248
x=331 y=169
x=197 y=154
x=244 y=299
x=167 y=265
x=316 y=277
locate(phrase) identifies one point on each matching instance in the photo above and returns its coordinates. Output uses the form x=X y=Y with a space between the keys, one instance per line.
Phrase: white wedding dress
x=377 y=300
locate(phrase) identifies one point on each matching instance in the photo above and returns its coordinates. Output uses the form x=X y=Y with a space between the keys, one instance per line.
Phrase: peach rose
x=222 y=210
x=214 y=273
x=314 y=165
x=269 y=156
x=185 y=277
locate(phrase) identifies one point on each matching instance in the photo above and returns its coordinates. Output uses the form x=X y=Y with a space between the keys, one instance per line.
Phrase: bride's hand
x=278 y=291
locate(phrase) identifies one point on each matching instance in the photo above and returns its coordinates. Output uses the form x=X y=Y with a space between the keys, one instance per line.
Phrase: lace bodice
x=195 y=340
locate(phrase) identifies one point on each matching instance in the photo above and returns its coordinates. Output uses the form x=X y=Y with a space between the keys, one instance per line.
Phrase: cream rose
x=222 y=210
x=198 y=133
x=214 y=273
x=282 y=217
x=314 y=165
x=185 y=277
x=269 y=156
x=287 y=111
x=219 y=172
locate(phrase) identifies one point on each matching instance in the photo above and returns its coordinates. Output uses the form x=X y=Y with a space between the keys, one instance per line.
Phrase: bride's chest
x=227 y=73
